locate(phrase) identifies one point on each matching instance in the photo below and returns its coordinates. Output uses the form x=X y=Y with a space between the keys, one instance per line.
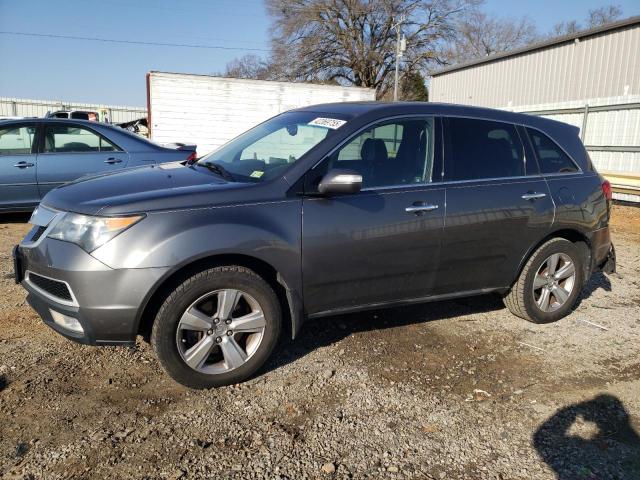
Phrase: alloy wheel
x=554 y=282
x=220 y=331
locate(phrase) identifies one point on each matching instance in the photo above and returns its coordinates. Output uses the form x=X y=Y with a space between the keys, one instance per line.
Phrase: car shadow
x=590 y=440
x=320 y=332
x=597 y=281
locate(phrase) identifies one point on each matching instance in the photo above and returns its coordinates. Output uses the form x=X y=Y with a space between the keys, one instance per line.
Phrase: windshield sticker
x=256 y=173
x=332 y=123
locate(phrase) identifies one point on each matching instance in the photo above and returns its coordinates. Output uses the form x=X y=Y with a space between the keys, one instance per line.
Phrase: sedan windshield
x=267 y=150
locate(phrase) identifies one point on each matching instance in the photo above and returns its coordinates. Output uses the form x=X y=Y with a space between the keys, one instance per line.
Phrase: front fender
x=269 y=232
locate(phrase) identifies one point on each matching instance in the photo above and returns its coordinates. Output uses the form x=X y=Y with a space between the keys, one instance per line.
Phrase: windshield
x=267 y=150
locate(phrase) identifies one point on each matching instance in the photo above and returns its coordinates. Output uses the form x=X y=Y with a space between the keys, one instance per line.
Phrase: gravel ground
x=458 y=389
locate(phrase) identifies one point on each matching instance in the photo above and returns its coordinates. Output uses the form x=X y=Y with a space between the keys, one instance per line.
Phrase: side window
x=16 y=140
x=479 y=149
x=74 y=139
x=551 y=157
x=395 y=153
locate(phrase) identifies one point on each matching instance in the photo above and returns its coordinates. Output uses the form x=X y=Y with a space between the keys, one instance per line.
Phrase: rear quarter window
x=551 y=157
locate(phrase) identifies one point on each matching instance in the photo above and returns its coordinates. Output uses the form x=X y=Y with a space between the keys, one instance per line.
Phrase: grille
x=52 y=287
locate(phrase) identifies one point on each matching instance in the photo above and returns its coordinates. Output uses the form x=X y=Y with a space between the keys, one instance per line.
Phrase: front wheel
x=217 y=328
x=549 y=284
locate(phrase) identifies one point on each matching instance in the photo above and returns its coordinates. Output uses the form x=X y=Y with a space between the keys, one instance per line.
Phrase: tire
x=527 y=300
x=184 y=327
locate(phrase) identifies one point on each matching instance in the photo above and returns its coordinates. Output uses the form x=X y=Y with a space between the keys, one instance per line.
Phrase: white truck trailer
x=209 y=111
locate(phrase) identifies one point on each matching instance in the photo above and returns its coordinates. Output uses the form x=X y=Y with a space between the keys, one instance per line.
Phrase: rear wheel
x=549 y=284
x=217 y=328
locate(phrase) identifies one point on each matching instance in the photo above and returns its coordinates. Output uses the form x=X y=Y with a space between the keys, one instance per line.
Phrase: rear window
x=480 y=149
x=551 y=157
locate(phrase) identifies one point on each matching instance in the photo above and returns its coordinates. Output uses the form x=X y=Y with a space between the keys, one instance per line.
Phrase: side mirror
x=340 y=181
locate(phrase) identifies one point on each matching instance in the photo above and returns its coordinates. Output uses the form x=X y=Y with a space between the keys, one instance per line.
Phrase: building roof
x=632 y=21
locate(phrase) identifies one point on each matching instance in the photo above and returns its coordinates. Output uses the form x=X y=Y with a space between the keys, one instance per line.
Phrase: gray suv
x=317 y=212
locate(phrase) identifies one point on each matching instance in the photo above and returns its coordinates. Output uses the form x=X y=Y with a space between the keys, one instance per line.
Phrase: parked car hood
x=147 y=188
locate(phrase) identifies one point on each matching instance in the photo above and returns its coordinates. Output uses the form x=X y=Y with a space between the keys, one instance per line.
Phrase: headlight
x=91 y=232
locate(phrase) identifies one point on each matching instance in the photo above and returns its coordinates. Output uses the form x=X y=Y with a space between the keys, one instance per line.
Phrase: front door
x=70 y=151
x=498 y=205
x=382 y=244
x=18 y=184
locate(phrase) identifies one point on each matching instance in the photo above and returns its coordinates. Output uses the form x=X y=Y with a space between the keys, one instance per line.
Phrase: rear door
x=498 y=205
x=18 y=186
x=382 y=244
x=70 y=151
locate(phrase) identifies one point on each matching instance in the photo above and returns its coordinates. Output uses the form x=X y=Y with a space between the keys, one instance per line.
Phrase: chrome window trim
x=61 y=301
x=456 y=182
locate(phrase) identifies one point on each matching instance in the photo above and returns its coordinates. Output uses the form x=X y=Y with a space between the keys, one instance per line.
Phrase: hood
x=148 y=188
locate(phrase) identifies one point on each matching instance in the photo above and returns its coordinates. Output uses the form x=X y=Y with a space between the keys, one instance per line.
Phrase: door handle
x=24 y=165
x=420 y=208
x=112 y=160
x=533 y=196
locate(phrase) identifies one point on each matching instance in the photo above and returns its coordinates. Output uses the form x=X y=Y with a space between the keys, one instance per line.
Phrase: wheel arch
x=574 y=236
x=289 y=298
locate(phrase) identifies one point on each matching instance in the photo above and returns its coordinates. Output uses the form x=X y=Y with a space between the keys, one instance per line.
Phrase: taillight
x=193 y=157
x=606 y=189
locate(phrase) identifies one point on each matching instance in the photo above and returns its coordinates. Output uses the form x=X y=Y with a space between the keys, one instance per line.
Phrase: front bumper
x=105 y=301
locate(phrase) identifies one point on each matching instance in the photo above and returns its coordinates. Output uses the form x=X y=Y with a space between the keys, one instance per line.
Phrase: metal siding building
x=20 y=107
x=590 y=79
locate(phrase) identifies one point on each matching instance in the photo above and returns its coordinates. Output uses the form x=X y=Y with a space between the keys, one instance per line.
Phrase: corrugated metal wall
x=558 y=82
x=604 y=65
x=209 y=111
x=21 y=107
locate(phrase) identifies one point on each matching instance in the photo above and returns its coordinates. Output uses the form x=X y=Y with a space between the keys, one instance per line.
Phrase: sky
x=75 y=70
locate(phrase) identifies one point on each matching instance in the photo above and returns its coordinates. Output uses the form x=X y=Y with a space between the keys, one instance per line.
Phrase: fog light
x=68 y=323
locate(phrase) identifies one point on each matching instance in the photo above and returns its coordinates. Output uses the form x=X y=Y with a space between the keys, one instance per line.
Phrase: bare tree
x=565 y=28
x=353 y=42
x=251 y=66
x=595 y=18
x=603 y=15
x=480 y=35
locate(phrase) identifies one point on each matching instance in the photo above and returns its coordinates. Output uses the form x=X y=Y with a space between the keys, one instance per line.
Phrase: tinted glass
x=479 y=149
x=551 y=157
x=16 y=140
x=391 y=154
x=73 y=139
